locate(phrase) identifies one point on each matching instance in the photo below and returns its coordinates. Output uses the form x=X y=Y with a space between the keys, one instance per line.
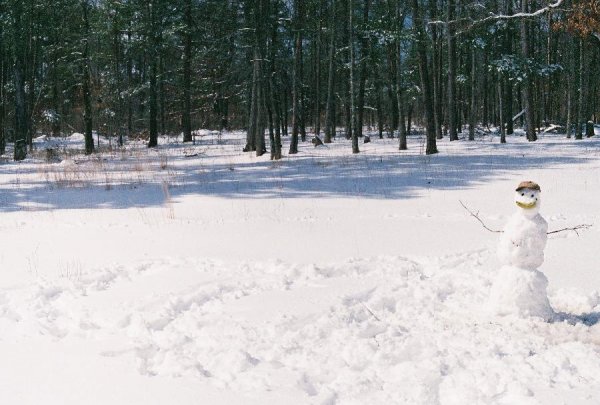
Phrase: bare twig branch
x=399 y=328
x=476 y=216
x=371 y=312
x=574 y=229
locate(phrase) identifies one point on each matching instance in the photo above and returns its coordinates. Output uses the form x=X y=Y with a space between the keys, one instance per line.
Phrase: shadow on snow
x=385 y=176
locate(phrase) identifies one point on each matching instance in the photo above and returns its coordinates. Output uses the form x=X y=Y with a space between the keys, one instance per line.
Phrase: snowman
x=519 y=288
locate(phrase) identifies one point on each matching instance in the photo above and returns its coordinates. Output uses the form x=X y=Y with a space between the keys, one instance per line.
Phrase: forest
x=280 y=69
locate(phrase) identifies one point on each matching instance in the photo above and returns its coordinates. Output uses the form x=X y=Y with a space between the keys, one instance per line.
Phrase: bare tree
x=297 y=117
x=355 y=148
x=451 y=73
x=528 y=81
x=421 y=38
x=186 y=119
x=330 y=108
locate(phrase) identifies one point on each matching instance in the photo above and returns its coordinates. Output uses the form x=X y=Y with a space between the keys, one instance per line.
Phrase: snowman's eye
x=522 y=194
x=531 y=195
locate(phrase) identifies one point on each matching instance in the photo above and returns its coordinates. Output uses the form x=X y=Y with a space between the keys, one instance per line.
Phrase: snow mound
x=76 y=137
x=378 y=331
x=520 y=292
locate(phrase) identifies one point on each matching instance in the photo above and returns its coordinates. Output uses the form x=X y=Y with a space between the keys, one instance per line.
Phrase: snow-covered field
x=197 y=274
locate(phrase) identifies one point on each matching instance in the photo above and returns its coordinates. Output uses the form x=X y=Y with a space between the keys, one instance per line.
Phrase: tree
x=152 y=33
x=2 y=80
x=583 y=21
x=421 y=38
x=186 y=120
x=87 y=96
x=362 y=78
x=528 y=81
x=451 y=73
x=18 y=54
x=297 y=112
x=330 y=106
x=273 y=104
x=399 y=83
x=144 y=67
x=353 y=120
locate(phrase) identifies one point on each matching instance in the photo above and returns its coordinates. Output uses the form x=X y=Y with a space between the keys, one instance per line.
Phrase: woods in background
x=281 y=69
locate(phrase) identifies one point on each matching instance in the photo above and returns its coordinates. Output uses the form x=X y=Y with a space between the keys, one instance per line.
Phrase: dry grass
x=168 y=201
x=164 y=161
x=63 y=168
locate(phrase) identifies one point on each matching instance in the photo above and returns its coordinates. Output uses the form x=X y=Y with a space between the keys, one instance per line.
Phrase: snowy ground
x=199 y=274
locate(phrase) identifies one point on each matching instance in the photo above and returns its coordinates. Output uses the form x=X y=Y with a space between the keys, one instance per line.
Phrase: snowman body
x=519 y=288
x=523 y=241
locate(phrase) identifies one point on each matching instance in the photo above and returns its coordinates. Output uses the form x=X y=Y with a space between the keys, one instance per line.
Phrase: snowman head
x=527 y=198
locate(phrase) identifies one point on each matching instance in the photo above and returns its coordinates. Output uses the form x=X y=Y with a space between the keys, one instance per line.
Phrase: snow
x=141 y=276
x=522 y=292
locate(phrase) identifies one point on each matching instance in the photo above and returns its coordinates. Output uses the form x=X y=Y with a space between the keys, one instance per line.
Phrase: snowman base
x=520 y=292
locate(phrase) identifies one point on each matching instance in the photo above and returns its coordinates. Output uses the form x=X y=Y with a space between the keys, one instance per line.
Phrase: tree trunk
x=55 y=102
x=436 y=57
x=508 y=87
x=379 y=105
x=330 y=109
x=451 y=73
x=256 y=127
x=569 y=98
x=116 y=65
x=473 y=104
x=351 y=49
x=409 y=117
x=129 y=86
x=2 y=91
x=395 y=62
x=402 y=131
x=260 y=100
x=21 y=121
x=30 y=71
x=347 y=108
x=254 y=107
x=87 y=96
x=500 y=113
x=296 y=79
x=284 y=123
x=360 y=101
x=391 y=89
x=528 y=82
x=153 y=54
x=186 y=119
x=579 y=116
x=589 y=129
x=318 y=73
x=484 y=85
x=421 y=46
x=161 y=92
x=547 y=85
x=274 y=133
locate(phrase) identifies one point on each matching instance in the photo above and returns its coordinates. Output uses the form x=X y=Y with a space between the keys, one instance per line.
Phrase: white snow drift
x=198 y=273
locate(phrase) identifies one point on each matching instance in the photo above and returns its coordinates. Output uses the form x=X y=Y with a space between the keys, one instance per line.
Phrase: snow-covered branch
x=536 y=13
x=498 y=17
